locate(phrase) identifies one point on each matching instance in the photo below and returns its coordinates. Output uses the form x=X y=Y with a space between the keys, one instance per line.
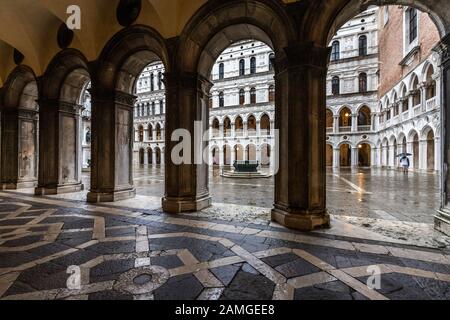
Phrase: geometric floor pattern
x=119 y=253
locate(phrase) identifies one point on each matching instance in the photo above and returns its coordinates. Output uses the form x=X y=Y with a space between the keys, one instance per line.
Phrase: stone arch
x=251 y=125
x=265 y=124
x=411 y=134
x=18 y=129
x=329 y=155
x=62 y=86
x=424 y=132
x=239 y=126
x=329 y=118
x=266 y=153
x=20 y=89
x=141 y=156
x=215 y=126
x=212 y=29
x=215 y=155
x=345 y=157
x=126 y=54
x=250 y=152
x=150 y=156
x=334 y=16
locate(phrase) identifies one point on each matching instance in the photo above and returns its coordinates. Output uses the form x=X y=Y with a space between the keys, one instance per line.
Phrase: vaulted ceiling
x=31 y=26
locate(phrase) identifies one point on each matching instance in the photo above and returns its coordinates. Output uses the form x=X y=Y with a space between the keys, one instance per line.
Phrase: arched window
x=159 y=81
x=150 y=132
x=161 y=106
x=252 y=95
x=153 y=108
x=364 y=116
x=241 y=97
x=141 y=133
x=329 y=119
x=272 y=93
x=362 y=46
x=251 y=126
x=345 y=119
x=88 y=135
x=221 y=100
x=417 y=97
x=215 y=127
x=241 y=67
x=431 y=83
x=221 y=71
x=405 y=105
x=253 y=65
x=239 y=126
x=158 y=132
x=411 y=16
x=265 y=125
x=335 y=85
x=335 y=51
x=271 y=61
x=363 y=82
x=147 y=107
x=226 y=127
x=152 y=82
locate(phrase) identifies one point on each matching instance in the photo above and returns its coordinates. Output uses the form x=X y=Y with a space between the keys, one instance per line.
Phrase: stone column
x=336 y=158
x=154 y=157
x=411 y=105
x=423 y=154
x=442 y=219
x=221 y=130
x=423 y=96
x=247 y=96
x=232 y=155
x=112 y=147
x=19 y=148
x=145 y=157
x=60 y=147
x=300 y=118
x=233 y=130
x=335 y=124
x=437 y=153
x=245 y=129
x=410 y=149
x=354 y=157
x=187 y=105
x=354 y=122
x=221 y=155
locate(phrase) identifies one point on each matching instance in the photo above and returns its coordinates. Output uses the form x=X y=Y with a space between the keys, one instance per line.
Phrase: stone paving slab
x=123 y=254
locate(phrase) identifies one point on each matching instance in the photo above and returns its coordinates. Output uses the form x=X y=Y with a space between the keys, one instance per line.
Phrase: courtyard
x=231 y=250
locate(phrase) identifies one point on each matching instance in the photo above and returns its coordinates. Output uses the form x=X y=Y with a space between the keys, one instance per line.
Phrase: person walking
x=404 y=162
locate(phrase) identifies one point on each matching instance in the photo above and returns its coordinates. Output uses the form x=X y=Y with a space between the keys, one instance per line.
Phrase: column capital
x=125 y=98
x=443 y=49
x=193 y=81
x=305 y=54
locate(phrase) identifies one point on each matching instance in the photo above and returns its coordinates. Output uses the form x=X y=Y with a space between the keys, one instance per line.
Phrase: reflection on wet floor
x=369 y=193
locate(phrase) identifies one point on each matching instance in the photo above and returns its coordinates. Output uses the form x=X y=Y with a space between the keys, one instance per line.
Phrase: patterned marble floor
x=60 y=249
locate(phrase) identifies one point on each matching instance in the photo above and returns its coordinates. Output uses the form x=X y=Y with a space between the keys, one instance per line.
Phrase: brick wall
x=391 y=42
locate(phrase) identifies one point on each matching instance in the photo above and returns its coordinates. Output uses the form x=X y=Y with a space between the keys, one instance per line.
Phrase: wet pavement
x=366 y=193
x=53 y=249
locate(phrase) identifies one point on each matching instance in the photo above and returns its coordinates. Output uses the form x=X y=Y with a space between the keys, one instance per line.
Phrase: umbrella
x=404 y=154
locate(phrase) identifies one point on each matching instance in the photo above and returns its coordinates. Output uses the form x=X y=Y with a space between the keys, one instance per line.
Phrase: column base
x=97 y=197
x=179 y=205
x=42 y=191
x=442 y=221
x=19 y=185
x=302 y=221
